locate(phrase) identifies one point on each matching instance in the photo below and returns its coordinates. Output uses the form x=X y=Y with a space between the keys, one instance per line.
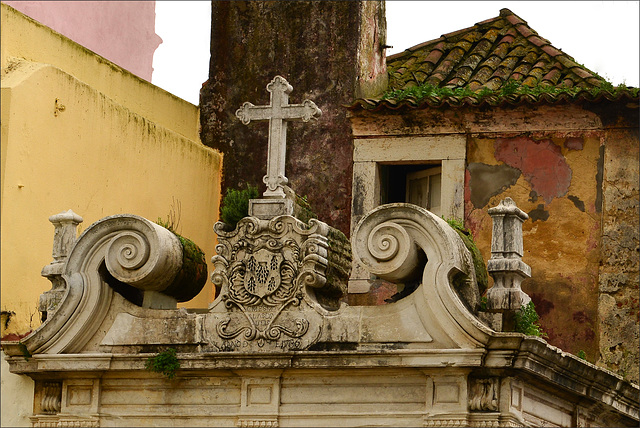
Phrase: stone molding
x=428 y=343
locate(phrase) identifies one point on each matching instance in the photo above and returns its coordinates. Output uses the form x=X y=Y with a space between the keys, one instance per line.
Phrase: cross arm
x=305 y=112
x=248 y=112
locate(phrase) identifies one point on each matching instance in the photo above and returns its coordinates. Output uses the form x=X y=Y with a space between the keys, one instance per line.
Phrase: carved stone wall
x=268 y=352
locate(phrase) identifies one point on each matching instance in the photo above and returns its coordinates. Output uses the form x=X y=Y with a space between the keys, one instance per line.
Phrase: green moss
x=193 y=274
x=510 y=87
x=235 y=205
x=165 y=362
x=482 y=276
x=303 y=211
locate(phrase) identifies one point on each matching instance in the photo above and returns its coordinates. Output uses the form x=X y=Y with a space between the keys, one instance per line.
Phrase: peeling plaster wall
x=561 y=240
x=574 y=170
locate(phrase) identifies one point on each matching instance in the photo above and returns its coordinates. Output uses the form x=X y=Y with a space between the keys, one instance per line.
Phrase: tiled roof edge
x=491 y=100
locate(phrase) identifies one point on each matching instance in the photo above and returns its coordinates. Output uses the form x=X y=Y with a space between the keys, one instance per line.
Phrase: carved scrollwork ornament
x=51 y=398
x=484 y=395
x=265 y=270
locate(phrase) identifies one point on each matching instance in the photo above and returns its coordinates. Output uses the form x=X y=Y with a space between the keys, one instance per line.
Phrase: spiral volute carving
x=130 y=250
x=385 y=248
x=147 y=258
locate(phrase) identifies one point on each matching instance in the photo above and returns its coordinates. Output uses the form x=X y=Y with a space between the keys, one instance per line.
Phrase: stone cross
x=278 y=113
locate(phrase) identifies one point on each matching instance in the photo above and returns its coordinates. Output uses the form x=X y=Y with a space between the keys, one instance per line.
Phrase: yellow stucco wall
x=23 y=37
x=81 y=133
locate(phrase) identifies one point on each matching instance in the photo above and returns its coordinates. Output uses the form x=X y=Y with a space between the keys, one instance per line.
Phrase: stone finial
x=506 y=266
x=64 y=237
x=66 y=224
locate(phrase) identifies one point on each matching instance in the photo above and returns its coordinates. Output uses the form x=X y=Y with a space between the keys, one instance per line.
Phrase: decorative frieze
x=255 y=423
x=58 y=421
x=445 y=422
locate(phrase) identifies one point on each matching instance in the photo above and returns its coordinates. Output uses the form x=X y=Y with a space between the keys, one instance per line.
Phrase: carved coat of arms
x=263 y=270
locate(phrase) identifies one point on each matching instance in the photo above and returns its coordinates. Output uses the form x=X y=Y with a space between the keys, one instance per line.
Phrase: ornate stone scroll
x=125 y=253
x=404 y=243
x=272 y=278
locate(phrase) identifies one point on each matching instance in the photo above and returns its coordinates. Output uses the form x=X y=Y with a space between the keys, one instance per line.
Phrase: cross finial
x=278 y=113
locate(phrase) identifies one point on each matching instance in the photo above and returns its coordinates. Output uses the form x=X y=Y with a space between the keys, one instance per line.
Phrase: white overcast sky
x=602 y=35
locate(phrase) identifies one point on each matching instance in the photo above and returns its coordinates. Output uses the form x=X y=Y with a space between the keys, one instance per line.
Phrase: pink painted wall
x=121 y=31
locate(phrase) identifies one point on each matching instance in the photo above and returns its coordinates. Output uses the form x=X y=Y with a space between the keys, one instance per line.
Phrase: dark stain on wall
x=489 y=180
x=581 y=317
x=539 y=214
x=577 y=202
x=358 y=196
x=543 y=306
x=599 y=177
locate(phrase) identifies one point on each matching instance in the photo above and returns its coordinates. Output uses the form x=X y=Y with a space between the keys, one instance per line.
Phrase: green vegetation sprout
x=509 y=88
x=527 y=321
x=482 y=277
x=235 y=205
x=165 y=362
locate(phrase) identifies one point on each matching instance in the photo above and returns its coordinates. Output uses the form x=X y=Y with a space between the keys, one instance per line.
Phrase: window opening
x=418 y=184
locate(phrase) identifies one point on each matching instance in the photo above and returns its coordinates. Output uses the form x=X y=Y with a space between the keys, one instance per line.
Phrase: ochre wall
x=553 y=177
x=73 y=140
x=23 y=37
x=123 y=32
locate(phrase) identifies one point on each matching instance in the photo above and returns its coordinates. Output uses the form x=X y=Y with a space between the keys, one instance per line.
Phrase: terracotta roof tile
x=486 y=56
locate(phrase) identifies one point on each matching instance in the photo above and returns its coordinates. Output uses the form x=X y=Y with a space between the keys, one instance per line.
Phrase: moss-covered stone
x=193 y=275
x=482 y=276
